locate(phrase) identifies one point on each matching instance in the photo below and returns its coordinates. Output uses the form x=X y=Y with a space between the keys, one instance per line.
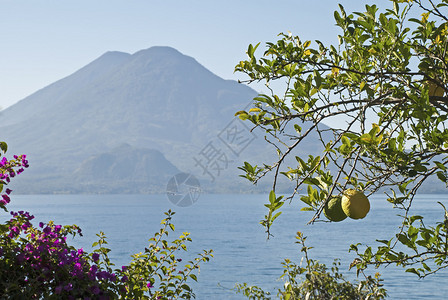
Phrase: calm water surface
x=229 y=224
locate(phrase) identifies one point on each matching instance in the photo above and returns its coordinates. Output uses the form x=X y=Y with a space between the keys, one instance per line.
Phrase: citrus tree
x=386 y=79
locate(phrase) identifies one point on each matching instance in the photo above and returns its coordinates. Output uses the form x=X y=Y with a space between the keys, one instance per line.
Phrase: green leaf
x=272 y=198
x=307 y=208
x=441 y=176
x=3 y=147
x=366 y=138
x=254 y=109
x=240 y=113
x=350 y=135
x=440 y=166
x=413 y=270
x=396 y=7
x=251 y=50
x=194 y=277
x=276 y=215
x=405 y=241
x=361 y=86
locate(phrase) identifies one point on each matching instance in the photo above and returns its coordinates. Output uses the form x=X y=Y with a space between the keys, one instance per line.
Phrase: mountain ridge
x=156 y=98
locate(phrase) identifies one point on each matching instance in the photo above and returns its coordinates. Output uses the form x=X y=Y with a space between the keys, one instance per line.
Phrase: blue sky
x=43 y=41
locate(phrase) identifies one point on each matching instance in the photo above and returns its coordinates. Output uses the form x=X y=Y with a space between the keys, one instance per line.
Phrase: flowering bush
x=8 y=170
x=37 y=262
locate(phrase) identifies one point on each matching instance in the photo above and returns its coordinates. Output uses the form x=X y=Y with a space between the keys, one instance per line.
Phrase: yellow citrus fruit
x=333 y=210
x=435 y=90
x=355 y=204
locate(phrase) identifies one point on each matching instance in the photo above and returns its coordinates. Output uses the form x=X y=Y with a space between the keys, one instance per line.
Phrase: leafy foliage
x=37 y=262
x=315 y=281
x=386 y=79
x=428 y=245
x=159 y=266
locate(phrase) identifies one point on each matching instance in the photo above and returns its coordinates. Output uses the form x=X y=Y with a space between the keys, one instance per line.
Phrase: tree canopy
x=387 y=79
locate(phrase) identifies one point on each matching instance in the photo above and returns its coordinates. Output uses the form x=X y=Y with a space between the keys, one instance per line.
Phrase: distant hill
x=130 y=169
x=156 y=99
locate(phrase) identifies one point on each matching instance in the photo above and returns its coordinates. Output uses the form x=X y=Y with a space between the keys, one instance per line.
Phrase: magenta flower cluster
x=7 y=167
x=49 y=263
x=7 y=171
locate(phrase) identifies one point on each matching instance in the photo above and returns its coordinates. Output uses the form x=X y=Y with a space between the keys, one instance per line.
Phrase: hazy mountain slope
x=156 y=98
x=130 y=169
x=41 y=101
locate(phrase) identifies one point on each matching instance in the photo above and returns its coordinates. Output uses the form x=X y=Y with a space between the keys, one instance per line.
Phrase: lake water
x=229 y=224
